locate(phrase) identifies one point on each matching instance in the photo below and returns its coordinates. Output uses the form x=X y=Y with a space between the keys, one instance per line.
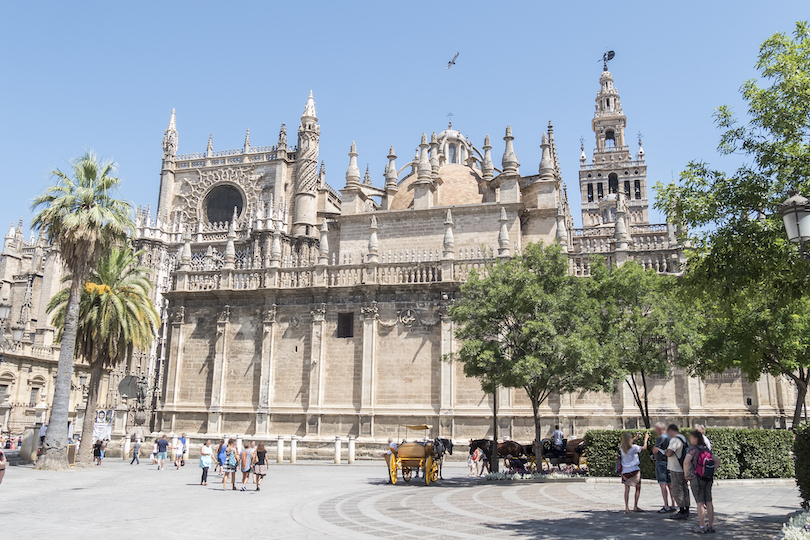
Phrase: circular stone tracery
x=220 y=202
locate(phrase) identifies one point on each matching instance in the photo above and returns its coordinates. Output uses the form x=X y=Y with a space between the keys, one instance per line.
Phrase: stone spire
x=209 y=150
x=230 y=248
x=353 y=172
x=546 y=163
x=582 y=157
x=247 y=141
x=562 y=230
x=282 y=137
x=510 y=160
x=620 y=230
x=434 y=152
x=185 y=253
x=367 y=178
x=309 y=109
x=640 y=149
x=323 y=246
x=391 y=170
x=503 y=235
x=170 y=139
x=487 y=168
x=423 y=169
x=275 y=247
x=373 y=242
x=449 y=242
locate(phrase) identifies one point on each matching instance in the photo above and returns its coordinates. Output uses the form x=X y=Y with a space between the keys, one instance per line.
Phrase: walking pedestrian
x=245 y=462
x=3 y=465
x=230 y=464
x=162 y=451
x=259 y=465
x=184 y=451
x=136 y=451
x=205 y=461
x=219 y=457
x=631 y=470
x=676 y=452
x=97 y=452
x=154 y=453
x=178 y=453
x=699 y=466
x=659 y=456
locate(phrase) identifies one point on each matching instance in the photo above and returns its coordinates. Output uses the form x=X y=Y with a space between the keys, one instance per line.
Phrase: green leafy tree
x=644 y=326
x=116 y=315
x=81 y=218
x=528 y=324
x=742 y=269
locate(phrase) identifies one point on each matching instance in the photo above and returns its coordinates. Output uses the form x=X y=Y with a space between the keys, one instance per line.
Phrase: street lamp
x=5 y=310
x=795 y=213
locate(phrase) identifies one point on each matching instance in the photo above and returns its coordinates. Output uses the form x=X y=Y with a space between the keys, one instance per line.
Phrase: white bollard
x=337 y=450
x=293 y=448
x=239 y=444
x=351 y=449
x=126 y=448
x=280 y=449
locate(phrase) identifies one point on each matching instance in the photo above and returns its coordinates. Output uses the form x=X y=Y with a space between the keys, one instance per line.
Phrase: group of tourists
x=161 y=449
x=251 y=461
x=680 y=464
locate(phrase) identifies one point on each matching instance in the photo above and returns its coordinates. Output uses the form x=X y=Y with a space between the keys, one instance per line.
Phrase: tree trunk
x=801 y=390
x=54 y=448
x=493 y=459
x=645 y=411
x=538 y=435
x=85 y=454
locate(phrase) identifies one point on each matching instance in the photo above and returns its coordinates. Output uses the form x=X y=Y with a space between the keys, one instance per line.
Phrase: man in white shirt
x=676 y=451
x=702 y=429
x=557 y=438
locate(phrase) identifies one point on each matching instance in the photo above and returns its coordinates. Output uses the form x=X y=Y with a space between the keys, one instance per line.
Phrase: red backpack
x=704 y=464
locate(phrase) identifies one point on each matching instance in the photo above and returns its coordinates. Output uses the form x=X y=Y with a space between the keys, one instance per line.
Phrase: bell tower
x=614 y=169
x=306 y=174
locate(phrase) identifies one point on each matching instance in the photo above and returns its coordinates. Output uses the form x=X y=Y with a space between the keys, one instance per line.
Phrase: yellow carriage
x=410 y=458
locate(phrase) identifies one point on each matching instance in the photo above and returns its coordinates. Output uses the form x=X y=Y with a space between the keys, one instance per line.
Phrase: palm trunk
x=54 y=449
x=85 y=454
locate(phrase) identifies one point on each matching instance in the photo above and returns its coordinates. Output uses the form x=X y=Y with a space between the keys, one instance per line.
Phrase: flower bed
x=563 y=473
x=797 y=528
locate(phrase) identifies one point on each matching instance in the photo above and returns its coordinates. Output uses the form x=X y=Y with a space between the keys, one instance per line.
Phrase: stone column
x=119 y=420
x=446 y=382
x=316 y=371
x=220 y=368
x=266 y=378
x=367 y=385
x=175 y=356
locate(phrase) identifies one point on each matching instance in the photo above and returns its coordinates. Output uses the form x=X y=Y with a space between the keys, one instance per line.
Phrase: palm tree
x=81 y=218
x=116 y=315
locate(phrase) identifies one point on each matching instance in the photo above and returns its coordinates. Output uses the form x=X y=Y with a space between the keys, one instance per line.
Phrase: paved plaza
x=318 y=500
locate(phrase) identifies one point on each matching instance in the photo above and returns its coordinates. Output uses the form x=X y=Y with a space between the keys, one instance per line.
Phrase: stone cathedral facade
x=291 y=308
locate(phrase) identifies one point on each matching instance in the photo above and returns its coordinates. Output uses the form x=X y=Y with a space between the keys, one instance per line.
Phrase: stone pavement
x=317 y=500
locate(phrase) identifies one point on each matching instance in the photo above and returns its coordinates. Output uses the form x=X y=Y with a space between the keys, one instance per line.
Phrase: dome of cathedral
x=459 y=186
x=450 y=133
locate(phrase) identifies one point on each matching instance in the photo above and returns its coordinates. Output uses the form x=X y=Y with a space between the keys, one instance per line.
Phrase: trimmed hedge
x=743 y=453
x=801 y=450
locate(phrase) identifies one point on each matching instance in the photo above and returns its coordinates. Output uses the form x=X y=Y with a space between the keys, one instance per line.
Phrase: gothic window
x=638 y=189
x=610 y=138
x=220 y=202
x=600 y=194
x=345 y=326
x=451 y=152
x=627 y=188
x=590 y=192
x=3 y=392
x=34 y=397
x=613 y=183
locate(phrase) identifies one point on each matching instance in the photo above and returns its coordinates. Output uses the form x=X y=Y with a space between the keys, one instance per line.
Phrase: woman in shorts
x=631 y=470
x=259 y=465
x=701 y=487
x=230 y=464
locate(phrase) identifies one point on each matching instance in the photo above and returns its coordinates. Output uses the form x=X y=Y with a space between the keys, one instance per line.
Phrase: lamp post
x=795 y=212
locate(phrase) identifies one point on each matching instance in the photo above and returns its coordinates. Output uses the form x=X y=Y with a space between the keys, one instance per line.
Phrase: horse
x=510 y=448
x=440 y=447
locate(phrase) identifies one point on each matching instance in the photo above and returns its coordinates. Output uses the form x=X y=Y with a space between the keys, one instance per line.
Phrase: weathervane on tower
x=607 y=57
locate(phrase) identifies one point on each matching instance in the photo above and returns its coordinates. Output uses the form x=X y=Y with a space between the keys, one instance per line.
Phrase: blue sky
x=105 y=76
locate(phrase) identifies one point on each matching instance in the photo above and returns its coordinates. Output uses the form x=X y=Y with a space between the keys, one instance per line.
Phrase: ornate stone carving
x=197 y=189
x=408 y=317
x=179 y=315
x=224 y=315
x=318 y=313
x=370 y=311
x=270 y=314
x=295 y=322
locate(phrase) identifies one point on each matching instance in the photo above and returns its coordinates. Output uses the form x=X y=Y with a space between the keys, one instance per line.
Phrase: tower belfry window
x=451 y=151
x=600 y=194
x=610 y=138
x=590 y=192
x=627 y=188
x=638 y=189
x=613 y=183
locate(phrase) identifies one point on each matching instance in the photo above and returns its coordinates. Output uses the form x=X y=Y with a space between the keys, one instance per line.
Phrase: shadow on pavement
x=608 y=525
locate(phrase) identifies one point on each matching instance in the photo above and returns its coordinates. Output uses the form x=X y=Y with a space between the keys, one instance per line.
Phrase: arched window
x=590 y=192
x=637 y=189
x=613 y=183
x=610 y=138
x=451 y=153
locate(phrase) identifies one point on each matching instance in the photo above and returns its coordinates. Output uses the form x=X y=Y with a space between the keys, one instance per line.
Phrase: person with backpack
x=229 y=465
x=699 y=466
x=676 y=452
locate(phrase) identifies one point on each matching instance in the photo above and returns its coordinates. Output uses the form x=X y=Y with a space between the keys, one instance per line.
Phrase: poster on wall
x=102 y=427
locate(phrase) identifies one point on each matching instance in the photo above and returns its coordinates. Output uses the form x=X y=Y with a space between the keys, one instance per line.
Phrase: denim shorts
x=161 y=455
x=661 y=473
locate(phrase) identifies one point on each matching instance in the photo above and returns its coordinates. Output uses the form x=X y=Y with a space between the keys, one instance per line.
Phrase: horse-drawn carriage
x=570 y=454
x=424 y=456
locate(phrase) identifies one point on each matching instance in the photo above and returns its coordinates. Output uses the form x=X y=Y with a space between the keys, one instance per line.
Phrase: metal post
x=337 y=450
x=239 y=444
x=280 y=449
x=351 y=449
x=293 y=448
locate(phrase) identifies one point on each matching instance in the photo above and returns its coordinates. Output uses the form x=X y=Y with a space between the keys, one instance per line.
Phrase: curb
x=726 y=482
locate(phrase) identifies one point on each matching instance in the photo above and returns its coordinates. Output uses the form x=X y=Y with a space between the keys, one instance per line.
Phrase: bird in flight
x=452 y=62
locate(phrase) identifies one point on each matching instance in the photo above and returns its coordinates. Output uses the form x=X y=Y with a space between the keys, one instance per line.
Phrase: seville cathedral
x=291 y=308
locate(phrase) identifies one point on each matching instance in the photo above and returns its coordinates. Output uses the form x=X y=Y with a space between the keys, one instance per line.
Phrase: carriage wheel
x=434 y=472
x=392 y=466
x=406 y=474
x=428 y=470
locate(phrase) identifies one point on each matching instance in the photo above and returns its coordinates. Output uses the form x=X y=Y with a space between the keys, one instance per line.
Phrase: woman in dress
x=97 y=456
x=153 y=456
x=218 y=456
x=259 y=465
x=229 y=464
x=205 y=461
x=631 y=471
